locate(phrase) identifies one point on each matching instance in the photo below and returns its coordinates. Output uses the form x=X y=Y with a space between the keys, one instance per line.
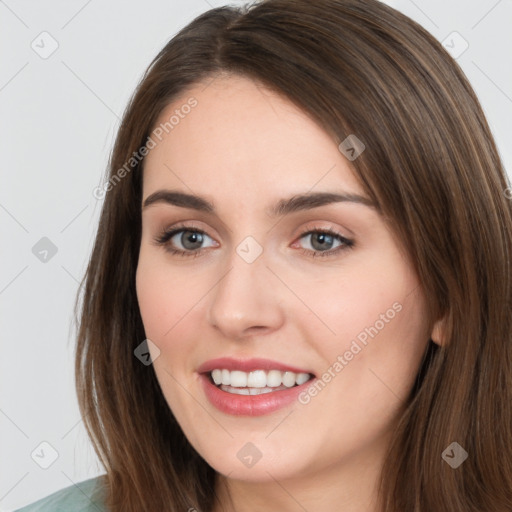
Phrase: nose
x=247 y=300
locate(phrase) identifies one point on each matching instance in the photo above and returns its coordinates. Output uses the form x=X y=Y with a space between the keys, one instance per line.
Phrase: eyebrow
x=283 y=207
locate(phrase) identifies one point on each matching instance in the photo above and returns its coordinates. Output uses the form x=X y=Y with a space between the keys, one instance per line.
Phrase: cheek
x=357 y=304
x=163 y=299
x=376 y=318
x=171 y=303
x=153 y=296
x=381 y=346
x=166 y=308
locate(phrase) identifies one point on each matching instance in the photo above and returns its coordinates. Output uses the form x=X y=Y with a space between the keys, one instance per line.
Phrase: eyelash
x=166 y=235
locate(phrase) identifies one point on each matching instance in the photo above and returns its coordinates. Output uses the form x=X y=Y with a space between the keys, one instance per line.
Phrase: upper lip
x=247 y=365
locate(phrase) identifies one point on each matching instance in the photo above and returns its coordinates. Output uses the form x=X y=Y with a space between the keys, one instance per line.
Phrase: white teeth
x=301 y=378
x=258 y=379
x=259 y=391
x=274 y=378
x=289 y=379
x=217 y=376
x=250 y=391
x=238 y=379
x=241 y=391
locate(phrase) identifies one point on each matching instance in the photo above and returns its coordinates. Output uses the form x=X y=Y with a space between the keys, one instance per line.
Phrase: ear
x=438 y=335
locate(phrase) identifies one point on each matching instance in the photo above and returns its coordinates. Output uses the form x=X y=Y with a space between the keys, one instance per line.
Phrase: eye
x=323 y=242
x=183 y=240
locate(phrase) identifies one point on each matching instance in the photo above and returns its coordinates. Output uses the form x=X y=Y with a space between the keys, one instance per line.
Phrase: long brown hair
x=431 y=166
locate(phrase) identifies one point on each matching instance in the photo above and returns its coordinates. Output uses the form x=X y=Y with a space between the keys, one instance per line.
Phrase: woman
x=299 y=295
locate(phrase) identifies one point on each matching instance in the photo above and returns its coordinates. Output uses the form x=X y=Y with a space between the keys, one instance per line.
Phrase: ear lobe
x=438 y=335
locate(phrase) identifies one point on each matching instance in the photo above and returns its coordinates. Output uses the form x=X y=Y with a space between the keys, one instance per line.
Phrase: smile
x=257 y=382
x=252 y=387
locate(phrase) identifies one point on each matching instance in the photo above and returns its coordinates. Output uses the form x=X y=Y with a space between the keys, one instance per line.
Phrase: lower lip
x=250 y=405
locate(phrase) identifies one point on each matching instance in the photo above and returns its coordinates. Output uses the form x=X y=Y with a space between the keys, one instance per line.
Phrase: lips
x=248 y=365
x=254 y=402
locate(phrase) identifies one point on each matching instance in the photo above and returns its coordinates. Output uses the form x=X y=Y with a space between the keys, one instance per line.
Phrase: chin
x=251 y=464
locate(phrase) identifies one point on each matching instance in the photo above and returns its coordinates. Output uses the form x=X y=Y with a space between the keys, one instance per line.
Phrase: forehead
x=240 y=137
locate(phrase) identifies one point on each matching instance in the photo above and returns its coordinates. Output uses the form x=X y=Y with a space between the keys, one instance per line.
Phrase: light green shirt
x=85 y=496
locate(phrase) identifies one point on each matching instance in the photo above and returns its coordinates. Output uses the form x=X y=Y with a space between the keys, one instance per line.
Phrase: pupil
x=193 y=237
x=323 y=239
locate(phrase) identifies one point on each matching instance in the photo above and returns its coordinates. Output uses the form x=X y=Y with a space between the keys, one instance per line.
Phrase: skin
x=244 y=148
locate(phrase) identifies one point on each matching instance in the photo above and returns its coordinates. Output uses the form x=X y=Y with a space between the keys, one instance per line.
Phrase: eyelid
x=328 y=226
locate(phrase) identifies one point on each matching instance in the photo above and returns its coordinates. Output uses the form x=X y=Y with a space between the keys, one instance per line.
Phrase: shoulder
x=86 y=496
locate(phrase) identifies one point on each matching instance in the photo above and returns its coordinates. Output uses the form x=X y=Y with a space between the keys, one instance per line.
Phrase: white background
x=59 y=117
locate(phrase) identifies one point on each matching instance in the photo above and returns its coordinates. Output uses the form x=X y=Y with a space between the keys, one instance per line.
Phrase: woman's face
x=317 y=286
